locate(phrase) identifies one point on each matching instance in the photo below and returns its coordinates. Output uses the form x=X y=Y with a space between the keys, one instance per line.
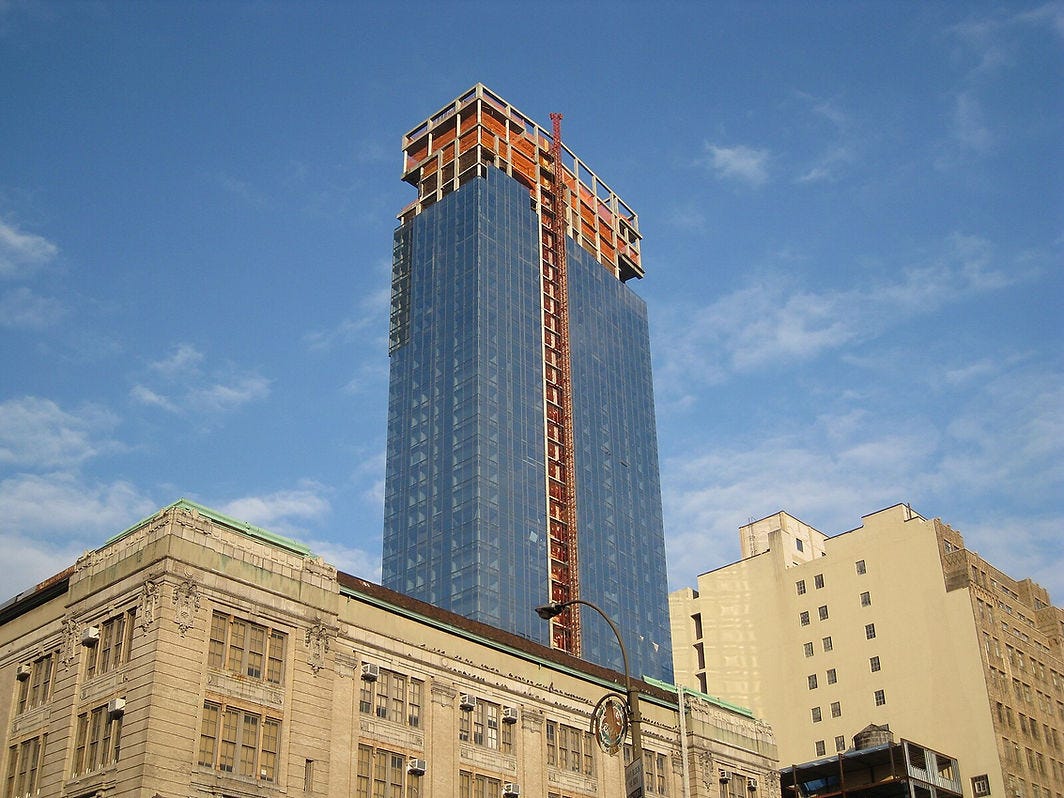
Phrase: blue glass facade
x=464 y=509
x=465 y=495
x=619 y=521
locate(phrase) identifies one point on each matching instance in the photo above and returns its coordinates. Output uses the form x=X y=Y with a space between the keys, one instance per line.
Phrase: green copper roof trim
x=240 y=526
x=720 y=702
x=416 y=616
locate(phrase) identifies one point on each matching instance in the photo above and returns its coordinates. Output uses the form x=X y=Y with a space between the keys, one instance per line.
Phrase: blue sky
x=853 y=232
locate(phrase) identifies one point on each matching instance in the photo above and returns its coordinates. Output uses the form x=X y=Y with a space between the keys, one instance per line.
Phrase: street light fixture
x=556 y=608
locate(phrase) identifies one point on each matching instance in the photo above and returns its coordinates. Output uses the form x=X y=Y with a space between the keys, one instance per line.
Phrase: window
x=697 y=618
x=812 y=681
x=809 y=649
x=866 y=599
x=820 y=749
x=394 y=697
x=481 y=726
x=235 y=741
x=24 y=766
x=823 y=610
x=832 y=677
x=836 y=709
x=840 y=743
x=803 y=617
x=475 y=785
x=246 y=649
x=36 y=690
x=799 y=545
x=817 y=716
x=873 y=663
x=860 y=565
x=569 y=748
x=112 y=649
x=97 y=740
x=800 y=585
x=869 y=631
x=379 y=773
x=880 y=698
x=818 y=581
x=826 y=643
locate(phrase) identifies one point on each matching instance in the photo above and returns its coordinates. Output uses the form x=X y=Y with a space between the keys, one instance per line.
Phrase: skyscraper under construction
x=522 y=452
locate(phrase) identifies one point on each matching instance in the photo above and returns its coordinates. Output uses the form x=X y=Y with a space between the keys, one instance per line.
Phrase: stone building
x=194 y=655
x=895 y=622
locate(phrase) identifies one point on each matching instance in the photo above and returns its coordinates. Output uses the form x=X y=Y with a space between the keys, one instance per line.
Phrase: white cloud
x=349 y=559
x=146 y=396
x=772 y=320
x=970 y=127
x=993 y=465
x=1050 y=14
x=36 y=432
x=51 y=518
x=741 y=163
x=280 y=511
x=22 y=253
x=28 y=561
x=23 y=309
x=242 y=189
x=187 y=388
x=184 y=361
x=369 y=318
x=828 y=165
x=225 y=397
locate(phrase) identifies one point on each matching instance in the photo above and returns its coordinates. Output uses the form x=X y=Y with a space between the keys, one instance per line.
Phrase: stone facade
x=194 y=656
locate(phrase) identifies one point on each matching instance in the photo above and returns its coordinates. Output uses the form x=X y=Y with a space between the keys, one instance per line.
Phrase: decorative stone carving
x=317 y=640
x=71 y=641
x=190 y=518
x=705 y=764
x=187 y=603
x=149 y=604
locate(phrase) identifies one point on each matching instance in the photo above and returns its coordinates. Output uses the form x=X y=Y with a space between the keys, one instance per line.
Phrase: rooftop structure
x=884 y=770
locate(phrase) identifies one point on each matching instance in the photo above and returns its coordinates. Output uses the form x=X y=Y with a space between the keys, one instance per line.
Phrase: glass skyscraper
x=522 y=455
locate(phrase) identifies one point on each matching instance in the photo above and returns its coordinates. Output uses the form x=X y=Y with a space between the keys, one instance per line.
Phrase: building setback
x=896 y=623
x=522 y=453
x=196 y=656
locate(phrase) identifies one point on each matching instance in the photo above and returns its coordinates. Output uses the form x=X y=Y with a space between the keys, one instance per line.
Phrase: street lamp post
x=555 y=608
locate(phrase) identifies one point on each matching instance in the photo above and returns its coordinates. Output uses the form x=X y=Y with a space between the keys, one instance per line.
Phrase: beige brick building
x=194 y=656
x=894 y=622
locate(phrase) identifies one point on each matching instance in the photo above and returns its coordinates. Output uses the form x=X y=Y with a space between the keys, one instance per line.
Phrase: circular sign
x=609 y=723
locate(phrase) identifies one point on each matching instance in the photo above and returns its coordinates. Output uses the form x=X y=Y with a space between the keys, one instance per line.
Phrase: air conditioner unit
x=751 y=785
x=91 y=636
x=467 y=703
x=416 y=767
x=509 y=714
x=724 y=776
x=22 y=672
x=511 y=789
x=116 y=707
x=370 y=671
